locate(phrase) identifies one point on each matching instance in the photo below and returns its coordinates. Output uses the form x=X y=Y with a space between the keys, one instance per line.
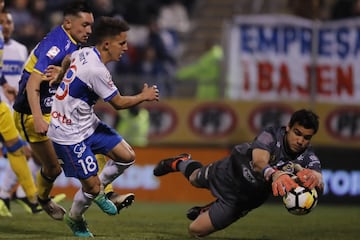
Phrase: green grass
x=163 y=221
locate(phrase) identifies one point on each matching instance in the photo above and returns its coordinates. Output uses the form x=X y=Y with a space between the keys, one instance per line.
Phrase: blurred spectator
x=206 y=71
x=104 y=8
x=345 y=9
x=134 y=125
x=14 y=56
x=152 y=71
x=139 y=12
x=174 y=17
x=28 y=28
x=311 y=9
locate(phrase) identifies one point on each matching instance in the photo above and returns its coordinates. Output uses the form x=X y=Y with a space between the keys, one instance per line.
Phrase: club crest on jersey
x=79 y=149
x=53 y=51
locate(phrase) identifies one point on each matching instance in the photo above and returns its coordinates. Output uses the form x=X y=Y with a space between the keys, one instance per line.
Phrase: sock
x=81 y=203
x=112 y=170
x=44 y=184
x=21 y=169
x=34 y=168
x=188 y=167
x=101 y=159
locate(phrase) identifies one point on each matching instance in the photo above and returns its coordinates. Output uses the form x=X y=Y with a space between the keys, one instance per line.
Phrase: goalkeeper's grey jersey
x=272 y=140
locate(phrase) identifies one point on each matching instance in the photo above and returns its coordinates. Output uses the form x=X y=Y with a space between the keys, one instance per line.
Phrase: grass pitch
x=163 y=221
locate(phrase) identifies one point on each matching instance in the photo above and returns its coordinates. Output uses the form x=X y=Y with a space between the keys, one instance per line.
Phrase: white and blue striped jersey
x=72 y=113
x=14 y=57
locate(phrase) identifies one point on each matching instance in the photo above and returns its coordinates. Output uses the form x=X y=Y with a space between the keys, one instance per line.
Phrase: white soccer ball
x=301 y=200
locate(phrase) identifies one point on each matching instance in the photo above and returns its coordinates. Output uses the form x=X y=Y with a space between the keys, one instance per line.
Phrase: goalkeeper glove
x=281 y=181
x=308 y=178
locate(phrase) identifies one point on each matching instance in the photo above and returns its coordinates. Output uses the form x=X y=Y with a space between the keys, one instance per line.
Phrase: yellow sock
x=21 y=168
x=44 y=186
x=101 y=159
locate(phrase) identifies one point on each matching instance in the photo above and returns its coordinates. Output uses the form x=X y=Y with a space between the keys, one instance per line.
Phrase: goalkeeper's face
x=298 y=138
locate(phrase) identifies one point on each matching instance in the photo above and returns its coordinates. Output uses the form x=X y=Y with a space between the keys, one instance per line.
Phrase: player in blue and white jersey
x=14 y=56
x=33 y=103
x=78 y=134
x=244 y=180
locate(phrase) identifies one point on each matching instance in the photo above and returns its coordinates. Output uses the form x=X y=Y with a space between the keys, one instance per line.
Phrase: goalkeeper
x=245 y=179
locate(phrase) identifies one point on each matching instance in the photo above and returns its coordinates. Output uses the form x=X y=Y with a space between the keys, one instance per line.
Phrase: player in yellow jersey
x=14 y=145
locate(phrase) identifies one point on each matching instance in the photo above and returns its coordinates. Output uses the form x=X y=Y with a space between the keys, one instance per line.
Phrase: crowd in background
x=158 y=30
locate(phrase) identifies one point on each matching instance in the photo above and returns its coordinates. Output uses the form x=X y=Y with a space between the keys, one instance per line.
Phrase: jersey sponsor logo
x=344 y=123
x=269 y=115
x=212 y=120
x=163 y=120
x=248 y=175
x=53 y=51
x=62 y=118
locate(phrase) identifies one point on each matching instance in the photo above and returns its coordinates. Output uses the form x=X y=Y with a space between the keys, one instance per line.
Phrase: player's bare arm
x=147 y=94
x=54 y=74
x=260 y=159
x=281 y=181
x=33 y=95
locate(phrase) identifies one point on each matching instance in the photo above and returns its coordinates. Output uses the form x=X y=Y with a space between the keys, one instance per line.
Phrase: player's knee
x=197 y=231
x=193 y=178
x=128 y=157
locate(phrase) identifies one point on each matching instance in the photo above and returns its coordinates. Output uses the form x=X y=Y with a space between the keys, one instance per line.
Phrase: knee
x=196 y=231
x=192 y=178
x=127 y=157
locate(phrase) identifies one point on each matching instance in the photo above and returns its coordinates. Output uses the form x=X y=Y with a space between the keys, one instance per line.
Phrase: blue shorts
x=78 y=160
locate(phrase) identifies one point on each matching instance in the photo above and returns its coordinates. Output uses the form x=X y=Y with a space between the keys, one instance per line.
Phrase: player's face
x=118 y=46
x=7 y=25
x=298 y=137
x=80 y=26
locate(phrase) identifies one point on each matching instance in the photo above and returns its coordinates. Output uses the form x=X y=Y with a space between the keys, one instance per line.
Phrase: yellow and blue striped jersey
x=51 y=50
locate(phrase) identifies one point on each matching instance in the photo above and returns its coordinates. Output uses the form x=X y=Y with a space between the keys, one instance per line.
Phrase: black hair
x=76 y=7
x=306 y=118
x=108 y=27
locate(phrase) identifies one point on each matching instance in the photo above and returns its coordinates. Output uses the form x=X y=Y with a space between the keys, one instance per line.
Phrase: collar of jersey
x=73 y=40
x=97 y=53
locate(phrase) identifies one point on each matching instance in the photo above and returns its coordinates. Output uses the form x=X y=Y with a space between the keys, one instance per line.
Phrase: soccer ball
x=301 y=200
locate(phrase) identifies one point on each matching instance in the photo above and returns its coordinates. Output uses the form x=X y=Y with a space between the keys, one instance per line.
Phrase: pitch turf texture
x=162 y=221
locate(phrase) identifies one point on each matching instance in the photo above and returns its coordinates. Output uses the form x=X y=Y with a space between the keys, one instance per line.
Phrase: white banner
x=272 y=57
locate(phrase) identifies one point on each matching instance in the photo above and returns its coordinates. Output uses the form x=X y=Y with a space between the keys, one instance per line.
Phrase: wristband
x=268 y=171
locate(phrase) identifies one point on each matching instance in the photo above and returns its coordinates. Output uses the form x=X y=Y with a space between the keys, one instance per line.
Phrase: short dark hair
x=306 y=118
x=76 y=7
x=108 y=27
